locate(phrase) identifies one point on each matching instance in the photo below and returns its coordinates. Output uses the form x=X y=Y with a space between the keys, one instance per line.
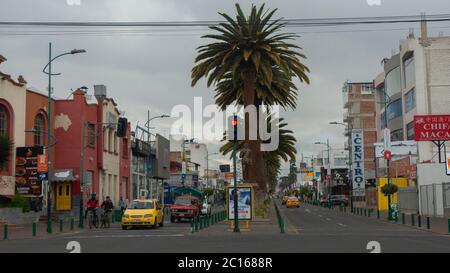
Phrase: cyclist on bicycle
x=92 y=205
x=107 y=207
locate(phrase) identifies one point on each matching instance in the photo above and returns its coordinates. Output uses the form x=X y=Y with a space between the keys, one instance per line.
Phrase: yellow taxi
x=148 y=212
x=292 y=202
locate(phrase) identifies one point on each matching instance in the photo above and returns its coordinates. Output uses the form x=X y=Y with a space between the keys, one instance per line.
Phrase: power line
x=289 y=22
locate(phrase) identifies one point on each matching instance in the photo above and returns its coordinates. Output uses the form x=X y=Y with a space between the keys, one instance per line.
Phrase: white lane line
x=320 y=216
x=328 y=219
x=342 y=225
x=126 y=236
x=307 y=210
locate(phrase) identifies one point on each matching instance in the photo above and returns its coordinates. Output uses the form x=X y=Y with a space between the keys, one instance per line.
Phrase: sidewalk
x=259 y=226
x=437 y=225
x=26 y=231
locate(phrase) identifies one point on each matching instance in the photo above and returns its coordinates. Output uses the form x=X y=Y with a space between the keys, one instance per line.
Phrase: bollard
x=34 y=229
x=345 y=209
x=419 y=221
x=412 y=219
x=112 y=218
x=72 y=223
x=61 y=225
x=5 y=232
x=49 y=227
x=365 y=212
x=428 y=222
x=448 y=225
x=403 y=218
x=282 y=225
x=368 y=213
x=192 y=225
x=378 y=214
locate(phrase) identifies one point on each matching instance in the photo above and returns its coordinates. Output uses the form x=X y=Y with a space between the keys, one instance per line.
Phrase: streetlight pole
x=387 y=160
x=329 y=164
x=49 y=120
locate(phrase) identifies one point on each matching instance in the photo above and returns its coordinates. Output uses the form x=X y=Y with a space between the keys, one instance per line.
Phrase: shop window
x=410 y=131
x=3 y=121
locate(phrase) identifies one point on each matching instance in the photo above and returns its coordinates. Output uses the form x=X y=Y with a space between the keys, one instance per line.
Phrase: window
x=125 y=147
x=382 y=121
x=3 y=121
x=91 y=135
x=394 y=110
x=397 y=135
x=39 y=127
x=410 y=131
x=115 y=141
x=410 y=100
x=105 y=138
x=408 y=66
x=393 y=82
x=366 y=89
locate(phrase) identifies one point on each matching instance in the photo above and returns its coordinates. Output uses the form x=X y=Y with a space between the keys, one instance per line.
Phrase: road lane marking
x=328 y=219
x=320 y=216
x=342 y=225
x=307 y=210
x=127 y=236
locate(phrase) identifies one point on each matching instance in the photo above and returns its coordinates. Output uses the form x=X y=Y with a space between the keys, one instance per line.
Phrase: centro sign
x=432 y=128
x=358 y=162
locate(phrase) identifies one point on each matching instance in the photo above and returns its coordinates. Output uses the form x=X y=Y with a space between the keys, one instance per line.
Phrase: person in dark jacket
x=107 y=207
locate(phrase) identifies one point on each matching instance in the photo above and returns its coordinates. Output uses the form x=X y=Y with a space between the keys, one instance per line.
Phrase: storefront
x=62 y=188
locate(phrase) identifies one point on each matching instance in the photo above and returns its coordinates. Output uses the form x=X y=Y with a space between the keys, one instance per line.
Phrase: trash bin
x=117 y=215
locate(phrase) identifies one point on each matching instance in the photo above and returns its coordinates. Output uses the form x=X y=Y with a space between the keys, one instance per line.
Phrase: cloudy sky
x=149 y=69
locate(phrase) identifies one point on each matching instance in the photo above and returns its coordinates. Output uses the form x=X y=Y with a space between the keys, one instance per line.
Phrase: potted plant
x=389 y=189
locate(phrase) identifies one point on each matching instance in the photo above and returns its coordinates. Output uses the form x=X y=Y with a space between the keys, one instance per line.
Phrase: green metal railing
x=280 y=219
x=207 y=221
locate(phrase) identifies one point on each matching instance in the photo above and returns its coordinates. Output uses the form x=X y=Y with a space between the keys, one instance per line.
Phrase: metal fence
x=408 y=199
x=446 y=195
x=428 y=200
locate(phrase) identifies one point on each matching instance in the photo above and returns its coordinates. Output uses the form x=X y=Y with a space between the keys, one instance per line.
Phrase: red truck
x=185 y=207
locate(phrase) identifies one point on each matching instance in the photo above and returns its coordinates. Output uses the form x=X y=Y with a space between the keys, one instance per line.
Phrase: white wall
x=428 y=174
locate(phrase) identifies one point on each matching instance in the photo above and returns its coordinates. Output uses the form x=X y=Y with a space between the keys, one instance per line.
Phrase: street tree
x=250 y=62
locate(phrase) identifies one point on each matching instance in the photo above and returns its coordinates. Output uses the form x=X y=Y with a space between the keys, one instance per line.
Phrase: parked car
x=185 y=207
x=146 y=212
x=336 y=200
x=206 y=208
x=292 y=202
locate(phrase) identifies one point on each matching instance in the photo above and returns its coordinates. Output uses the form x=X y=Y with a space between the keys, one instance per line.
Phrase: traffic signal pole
x=235 y=195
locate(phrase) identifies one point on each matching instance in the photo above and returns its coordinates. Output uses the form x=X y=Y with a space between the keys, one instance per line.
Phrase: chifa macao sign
x=432 y=128
x=358 y=162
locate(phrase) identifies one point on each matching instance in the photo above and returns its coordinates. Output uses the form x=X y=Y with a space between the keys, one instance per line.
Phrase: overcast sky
x=152 y=71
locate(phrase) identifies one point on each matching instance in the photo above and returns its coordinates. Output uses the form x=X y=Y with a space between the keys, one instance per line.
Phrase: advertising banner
x=27 y=179
x=432 y=128
x=358 y=178
x=448 y=163
x=245 y=202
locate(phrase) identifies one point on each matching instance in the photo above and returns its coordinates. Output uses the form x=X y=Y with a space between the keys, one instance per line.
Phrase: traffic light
x=234 y=122
x=122 y=126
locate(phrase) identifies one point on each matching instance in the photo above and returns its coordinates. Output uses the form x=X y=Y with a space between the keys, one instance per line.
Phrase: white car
x=206 y=208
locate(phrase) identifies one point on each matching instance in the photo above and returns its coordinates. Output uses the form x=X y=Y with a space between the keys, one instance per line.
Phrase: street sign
x=387 y=139
x=432 y=128
x=224 y=168
x=387 y=155
x=42 y=163
x=358 y=178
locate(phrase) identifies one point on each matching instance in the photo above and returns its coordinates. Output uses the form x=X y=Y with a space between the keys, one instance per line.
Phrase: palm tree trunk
x=255 y=165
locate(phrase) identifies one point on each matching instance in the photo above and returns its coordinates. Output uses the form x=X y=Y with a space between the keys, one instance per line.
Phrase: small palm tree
x=6 y=146
x=250 y=63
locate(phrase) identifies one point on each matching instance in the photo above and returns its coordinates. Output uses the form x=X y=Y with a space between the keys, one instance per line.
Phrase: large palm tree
x=251 y=63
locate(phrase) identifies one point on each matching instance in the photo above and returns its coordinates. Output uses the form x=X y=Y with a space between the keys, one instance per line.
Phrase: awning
x=63 y=175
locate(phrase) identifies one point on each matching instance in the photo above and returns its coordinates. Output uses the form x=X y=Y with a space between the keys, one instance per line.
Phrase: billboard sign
x=432 y=128
x=358 y=179
x=245 y=203
x=27 y=179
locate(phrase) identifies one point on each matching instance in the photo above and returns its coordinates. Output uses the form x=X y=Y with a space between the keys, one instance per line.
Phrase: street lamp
x=329 y=162
x=48 y=150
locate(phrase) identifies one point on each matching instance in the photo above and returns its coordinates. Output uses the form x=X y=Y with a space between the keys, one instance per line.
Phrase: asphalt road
x=308 y=229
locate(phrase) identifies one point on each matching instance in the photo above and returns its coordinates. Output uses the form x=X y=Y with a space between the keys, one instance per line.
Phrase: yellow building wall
x=382 y=199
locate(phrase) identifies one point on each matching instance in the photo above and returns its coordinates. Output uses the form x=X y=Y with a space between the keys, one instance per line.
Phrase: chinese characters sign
x=358 y=163
x=432 y=128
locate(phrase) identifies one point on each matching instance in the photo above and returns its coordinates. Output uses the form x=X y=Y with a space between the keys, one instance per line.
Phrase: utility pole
x=235 y=195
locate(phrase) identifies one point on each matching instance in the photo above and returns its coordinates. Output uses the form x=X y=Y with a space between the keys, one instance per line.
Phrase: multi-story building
x=359 y=113
x=416 y=81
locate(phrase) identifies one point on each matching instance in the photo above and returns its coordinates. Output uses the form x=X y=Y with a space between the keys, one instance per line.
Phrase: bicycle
x=93 y=219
